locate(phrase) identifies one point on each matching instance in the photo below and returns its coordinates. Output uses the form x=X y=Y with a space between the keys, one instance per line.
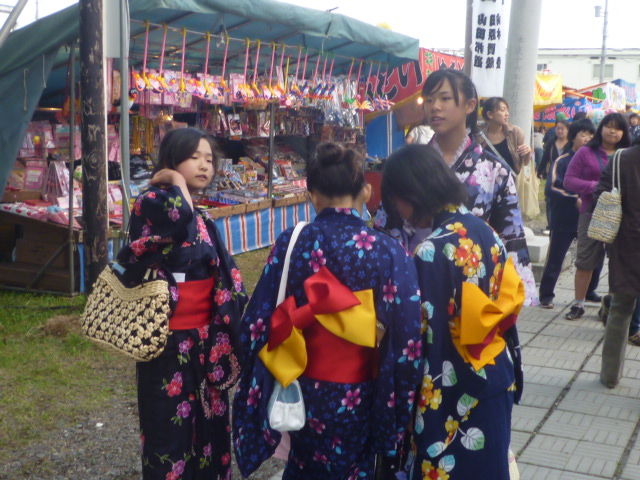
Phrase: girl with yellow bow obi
x=345 y=283
x=471 y=296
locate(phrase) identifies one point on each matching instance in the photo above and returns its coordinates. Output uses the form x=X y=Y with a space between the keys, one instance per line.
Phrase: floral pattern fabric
x=492 y=196
x=462 y=417
x=182 y=395
x=347 y=423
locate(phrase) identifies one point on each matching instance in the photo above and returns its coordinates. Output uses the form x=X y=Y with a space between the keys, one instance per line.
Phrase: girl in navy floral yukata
x=182 y=395
x=451 y=109
x=358 y=394
x=471 y=296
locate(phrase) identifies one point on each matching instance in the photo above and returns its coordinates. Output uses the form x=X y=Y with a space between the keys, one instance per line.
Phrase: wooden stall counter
x=35 y=254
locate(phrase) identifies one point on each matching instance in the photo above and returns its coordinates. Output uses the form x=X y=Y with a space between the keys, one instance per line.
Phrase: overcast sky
x=565 y=23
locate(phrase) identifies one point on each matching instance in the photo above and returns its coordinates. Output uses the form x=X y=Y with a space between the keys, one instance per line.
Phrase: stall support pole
x=468 y=35
x=11 y=20
x=389 y=133
x=72 y=157
x=94 y=146
x=124 y=111
x=272 y=133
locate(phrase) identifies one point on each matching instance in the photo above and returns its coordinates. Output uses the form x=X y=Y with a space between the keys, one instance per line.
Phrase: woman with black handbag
x=183 y=394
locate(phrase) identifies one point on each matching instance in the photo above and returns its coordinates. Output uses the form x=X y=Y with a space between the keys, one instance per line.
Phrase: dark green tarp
x=342 y=39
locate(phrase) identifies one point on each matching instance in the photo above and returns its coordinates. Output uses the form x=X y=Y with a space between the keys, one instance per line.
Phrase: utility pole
x=604 y=37
x=522 y=55
x=94 y=146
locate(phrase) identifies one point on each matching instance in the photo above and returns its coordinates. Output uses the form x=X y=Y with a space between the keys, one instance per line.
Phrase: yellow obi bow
x=346 y=314
x=477 y=332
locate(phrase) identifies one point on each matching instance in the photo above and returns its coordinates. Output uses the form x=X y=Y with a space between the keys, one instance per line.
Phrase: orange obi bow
x=346 y=314
x=477 y=332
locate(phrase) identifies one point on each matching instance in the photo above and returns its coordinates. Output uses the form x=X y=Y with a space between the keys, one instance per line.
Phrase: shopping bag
x=527 y=185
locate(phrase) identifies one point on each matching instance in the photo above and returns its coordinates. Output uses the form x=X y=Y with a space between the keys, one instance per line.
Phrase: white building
x=580 y=67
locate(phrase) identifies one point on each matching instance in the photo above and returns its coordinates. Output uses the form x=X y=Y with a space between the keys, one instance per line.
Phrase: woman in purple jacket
x=582 y=177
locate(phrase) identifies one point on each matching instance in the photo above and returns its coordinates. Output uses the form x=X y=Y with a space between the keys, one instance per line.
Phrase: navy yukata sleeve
x=159 y=220
x=506 y=218
x=400 y=353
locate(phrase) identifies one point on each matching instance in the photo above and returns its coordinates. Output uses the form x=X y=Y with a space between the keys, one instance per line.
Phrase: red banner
x=405 y=80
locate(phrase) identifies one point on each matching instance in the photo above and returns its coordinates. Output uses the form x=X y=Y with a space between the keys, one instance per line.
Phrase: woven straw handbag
x=135 y=321
x=607 y=215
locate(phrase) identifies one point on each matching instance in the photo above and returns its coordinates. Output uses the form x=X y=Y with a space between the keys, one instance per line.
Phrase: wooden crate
x=20 y=274
x=40 y=252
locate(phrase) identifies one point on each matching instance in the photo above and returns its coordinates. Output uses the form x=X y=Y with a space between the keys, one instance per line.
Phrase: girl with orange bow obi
x=348 y=331
x=183 y=400
x=471 y=296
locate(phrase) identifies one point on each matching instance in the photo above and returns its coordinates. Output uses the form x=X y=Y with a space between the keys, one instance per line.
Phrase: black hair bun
x=330 y=154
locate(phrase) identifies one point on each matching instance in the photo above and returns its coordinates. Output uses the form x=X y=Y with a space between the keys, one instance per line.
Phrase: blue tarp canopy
x=33 y=66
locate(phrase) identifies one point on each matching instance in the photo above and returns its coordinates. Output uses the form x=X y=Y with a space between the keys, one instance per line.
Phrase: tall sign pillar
x=522 y=56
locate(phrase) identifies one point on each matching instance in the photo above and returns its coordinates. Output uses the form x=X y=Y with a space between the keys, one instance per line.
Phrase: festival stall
x=604 y=96
x=267 y=79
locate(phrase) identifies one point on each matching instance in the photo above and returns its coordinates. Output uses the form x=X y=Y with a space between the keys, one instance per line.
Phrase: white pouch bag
x=286 y=408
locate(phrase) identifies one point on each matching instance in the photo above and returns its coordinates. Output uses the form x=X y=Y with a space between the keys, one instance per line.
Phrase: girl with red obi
x=346 y=282
x=183 y=394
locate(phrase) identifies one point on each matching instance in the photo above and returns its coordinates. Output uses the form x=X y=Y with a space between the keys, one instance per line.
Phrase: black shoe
x=546 y=304
x=593 y=297
x=575 y=313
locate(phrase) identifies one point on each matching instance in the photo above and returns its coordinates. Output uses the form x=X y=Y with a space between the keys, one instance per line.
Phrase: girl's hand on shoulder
x=166 y=176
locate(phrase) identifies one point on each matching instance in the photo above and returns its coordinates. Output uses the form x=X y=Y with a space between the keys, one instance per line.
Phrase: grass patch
x=53 y=377
x=251 y=265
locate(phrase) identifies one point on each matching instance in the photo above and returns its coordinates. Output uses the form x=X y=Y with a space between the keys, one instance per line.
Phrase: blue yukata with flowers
x=183 y=394
x=347 y=422
x=471 y=295
x=492 y=196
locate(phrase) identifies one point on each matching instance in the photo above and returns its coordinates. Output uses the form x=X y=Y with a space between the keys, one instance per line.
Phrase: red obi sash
x=195 y=304
x=333 y=359
x=332 y=338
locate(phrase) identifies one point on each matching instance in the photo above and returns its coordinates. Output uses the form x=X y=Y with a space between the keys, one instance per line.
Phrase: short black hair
x=621 y=124
x=579 y=116
x=577 y=126
x=633 y=115
x=335 y=171
x=419 y=175
x=179 y=144
x=461 y=84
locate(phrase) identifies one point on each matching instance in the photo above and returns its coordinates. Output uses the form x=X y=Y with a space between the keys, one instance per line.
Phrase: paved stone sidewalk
x=569 y=426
